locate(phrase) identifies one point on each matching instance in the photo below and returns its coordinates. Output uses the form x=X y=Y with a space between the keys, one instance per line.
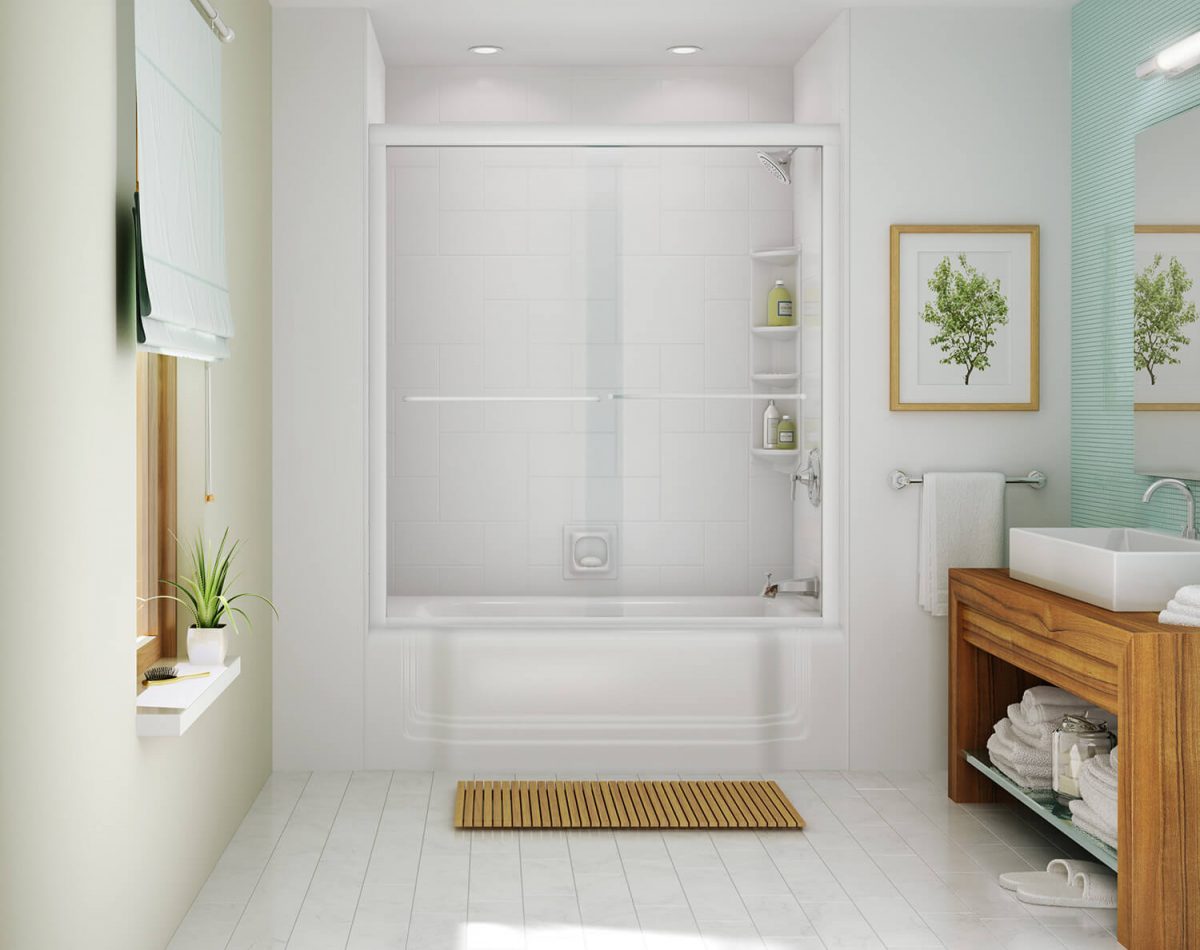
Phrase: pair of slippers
x=1065 y=883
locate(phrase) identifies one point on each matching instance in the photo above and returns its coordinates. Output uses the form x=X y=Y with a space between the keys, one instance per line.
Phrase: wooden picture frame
x=1011 y=386
x=1175 y=230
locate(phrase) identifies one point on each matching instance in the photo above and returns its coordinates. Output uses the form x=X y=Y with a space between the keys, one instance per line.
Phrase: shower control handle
x=810 y=476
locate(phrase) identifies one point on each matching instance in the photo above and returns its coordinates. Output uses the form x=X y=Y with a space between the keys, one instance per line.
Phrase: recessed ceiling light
x=684 y=50
x=486 y=50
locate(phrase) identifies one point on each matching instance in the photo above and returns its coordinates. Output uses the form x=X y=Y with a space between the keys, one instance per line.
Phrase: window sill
x=170 y=710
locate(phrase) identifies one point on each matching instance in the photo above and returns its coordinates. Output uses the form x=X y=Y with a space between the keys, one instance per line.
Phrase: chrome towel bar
x=898 y=479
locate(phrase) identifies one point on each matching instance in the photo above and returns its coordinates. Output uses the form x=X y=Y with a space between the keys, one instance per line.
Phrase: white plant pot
x=206 y=646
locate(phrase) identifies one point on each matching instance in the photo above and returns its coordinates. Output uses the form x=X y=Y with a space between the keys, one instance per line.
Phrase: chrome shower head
x=778 y=163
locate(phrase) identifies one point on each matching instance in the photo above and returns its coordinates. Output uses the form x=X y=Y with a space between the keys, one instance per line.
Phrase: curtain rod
x=219 y=26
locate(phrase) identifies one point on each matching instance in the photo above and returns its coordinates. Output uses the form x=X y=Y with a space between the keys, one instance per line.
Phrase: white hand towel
x=1176 y=619
x=1188 y=596
x=1085 y=817
x=1019 y=776
x=1016 y=749
x=1029 y=768
x=1048 y=704
x=1102 y=800
x=1179 y=607
x=1035 y=733
x=1103 y=773
x=961 y=525
x=1112 y=759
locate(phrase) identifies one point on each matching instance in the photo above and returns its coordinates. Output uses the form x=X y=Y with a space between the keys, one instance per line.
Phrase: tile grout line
x=420 y=853
x=267 y=863
x=871 y=858
x=370 y=854
x=317 y=866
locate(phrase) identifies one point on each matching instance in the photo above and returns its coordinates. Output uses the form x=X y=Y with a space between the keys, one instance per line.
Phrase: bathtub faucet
x=797 y=587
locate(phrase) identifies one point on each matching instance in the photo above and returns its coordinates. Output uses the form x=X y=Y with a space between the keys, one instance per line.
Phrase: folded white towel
x=1019 y=776
x=1035 y=733
x=1016 y=749
x=1103 y=772
x=1100 y=796
x=1045 y=705
x=1179 y=607
x=1085 y=817
x=1176 y=619
x=1112 y=759
x=1188 y=596
x=1031 y=768
x=961 y=525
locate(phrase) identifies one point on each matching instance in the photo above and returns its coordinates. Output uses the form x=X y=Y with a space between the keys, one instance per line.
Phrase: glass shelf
x=1044 y=804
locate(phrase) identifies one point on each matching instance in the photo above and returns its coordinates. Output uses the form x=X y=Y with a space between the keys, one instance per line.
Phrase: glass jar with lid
x=1074 y=742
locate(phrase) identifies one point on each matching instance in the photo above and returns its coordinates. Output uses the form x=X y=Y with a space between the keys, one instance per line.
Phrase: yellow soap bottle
x=786 y=436
x=779 y=307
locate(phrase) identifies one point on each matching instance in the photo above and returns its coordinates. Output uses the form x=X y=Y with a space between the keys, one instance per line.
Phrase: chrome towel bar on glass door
x=1035 y=479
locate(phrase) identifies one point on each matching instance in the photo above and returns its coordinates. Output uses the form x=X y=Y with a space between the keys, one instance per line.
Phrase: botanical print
x=968 y=309
x=964 y=317
x=1160 y=312
x=1166 y=318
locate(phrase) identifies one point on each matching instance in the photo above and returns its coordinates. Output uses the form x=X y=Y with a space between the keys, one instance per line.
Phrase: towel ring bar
x=898 y=479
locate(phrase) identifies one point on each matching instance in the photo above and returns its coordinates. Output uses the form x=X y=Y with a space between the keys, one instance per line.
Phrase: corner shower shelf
x=776 y=255
x=775 y=453
x=1043 y=804
x=776 y=379
x=776 y=333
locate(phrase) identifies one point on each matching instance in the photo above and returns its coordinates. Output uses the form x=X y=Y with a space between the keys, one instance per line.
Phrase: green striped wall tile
x=1109 y=106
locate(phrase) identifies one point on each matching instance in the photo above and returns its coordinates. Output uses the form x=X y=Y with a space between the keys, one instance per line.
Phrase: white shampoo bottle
x=770 y=432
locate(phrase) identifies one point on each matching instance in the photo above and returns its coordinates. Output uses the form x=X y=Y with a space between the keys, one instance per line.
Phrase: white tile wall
x=574 y=271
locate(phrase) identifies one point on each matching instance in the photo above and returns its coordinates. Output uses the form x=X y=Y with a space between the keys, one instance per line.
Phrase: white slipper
x=1066 y=883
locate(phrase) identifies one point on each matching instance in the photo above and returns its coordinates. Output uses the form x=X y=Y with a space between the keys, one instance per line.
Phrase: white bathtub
x=554 y=683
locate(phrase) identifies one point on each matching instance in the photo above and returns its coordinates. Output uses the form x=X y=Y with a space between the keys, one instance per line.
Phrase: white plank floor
x=369 y=860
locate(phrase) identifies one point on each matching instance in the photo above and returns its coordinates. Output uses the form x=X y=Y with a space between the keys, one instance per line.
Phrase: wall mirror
x=1166 y=308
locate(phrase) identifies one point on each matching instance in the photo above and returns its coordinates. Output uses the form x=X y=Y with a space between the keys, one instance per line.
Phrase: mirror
x=1166 y=333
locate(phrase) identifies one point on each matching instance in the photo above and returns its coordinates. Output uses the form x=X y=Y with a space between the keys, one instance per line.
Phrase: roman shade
x=183 y=303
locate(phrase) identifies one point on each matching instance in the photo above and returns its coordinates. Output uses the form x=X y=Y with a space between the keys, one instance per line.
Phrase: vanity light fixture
x=485 y=50
x=1175 y=59
x=684 y=50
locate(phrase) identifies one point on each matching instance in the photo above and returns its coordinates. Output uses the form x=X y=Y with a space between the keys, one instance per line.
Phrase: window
x=156 y=486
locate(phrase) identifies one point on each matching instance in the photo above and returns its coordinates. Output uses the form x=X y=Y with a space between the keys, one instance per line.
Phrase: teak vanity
x=1006 y=636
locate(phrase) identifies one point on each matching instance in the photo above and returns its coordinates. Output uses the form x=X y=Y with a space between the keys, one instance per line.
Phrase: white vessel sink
x=1123 y=569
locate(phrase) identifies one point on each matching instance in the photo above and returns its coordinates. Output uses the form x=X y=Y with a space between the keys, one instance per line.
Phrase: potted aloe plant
x=206 y=592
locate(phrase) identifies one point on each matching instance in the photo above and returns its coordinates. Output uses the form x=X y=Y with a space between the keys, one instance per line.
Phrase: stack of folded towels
x=1020 y=744
x=1183 y=610
x=1096 y=811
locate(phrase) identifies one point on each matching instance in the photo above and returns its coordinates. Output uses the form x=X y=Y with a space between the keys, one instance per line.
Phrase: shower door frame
x=827 y=138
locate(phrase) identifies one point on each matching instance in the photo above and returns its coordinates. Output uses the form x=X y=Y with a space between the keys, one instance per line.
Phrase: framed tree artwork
x=964 y=317
x=1166 y=325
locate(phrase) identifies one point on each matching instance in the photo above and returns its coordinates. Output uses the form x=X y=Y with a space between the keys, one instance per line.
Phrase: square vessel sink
x=1122 y=569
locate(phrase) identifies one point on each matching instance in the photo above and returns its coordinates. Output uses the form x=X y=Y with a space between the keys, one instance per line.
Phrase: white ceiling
x=607 y=32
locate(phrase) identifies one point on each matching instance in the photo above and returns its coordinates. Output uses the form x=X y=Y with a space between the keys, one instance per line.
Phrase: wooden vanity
x=1006 y=636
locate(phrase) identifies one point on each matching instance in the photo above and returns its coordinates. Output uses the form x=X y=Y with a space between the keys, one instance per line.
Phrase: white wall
x=326 y=78
x=954 y=117
x=106 y=838
x=427 y=95
x=555 y=272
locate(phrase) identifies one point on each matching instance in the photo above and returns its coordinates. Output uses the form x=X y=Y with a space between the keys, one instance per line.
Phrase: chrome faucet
x=1189 y=526
x=797 y=587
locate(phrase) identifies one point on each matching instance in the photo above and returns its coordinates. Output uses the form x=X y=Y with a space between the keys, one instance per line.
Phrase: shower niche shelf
x=776 y=255
x=776 y=379
x=776 y=333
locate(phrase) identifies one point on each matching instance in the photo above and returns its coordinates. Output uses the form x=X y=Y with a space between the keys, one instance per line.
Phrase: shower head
x=778 y=163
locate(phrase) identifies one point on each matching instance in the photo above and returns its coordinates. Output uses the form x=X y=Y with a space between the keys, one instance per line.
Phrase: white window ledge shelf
x=170 y=710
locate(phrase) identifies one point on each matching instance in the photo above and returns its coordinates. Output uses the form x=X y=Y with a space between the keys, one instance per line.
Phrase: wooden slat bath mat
x=633 y=805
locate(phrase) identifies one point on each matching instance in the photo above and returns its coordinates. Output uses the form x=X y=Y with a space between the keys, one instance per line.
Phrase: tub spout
x=796 y=587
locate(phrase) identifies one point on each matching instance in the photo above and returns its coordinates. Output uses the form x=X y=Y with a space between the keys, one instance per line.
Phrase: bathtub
x=553 y=684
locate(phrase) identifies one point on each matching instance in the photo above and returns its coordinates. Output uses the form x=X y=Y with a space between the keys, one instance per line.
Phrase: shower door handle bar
x=605 y=396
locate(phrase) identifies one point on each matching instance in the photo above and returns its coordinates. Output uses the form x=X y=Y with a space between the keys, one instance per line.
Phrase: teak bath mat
x=633 y=805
